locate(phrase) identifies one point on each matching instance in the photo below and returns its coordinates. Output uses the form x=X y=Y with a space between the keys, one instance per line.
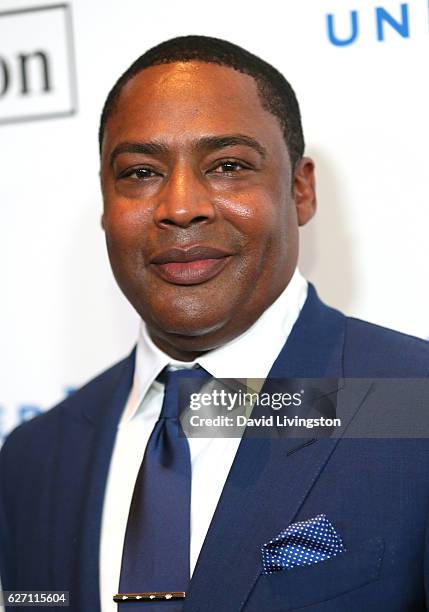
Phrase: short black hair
x=276 y=93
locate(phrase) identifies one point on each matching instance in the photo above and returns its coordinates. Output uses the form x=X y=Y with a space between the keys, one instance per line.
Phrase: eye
x=229 y=167
x=141 y=173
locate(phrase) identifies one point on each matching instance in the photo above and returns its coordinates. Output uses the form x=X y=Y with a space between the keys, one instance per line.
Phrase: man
x=205 y=185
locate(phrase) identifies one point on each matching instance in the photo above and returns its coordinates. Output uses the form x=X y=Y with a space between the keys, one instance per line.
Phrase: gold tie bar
x=151 y=596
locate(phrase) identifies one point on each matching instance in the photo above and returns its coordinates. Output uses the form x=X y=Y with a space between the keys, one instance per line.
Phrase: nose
x=184 y=200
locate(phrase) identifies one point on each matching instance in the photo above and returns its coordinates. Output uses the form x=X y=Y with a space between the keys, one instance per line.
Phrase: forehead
x=182 y=101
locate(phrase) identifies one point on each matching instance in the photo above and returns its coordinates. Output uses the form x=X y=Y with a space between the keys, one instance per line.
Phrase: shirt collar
x=250 y=355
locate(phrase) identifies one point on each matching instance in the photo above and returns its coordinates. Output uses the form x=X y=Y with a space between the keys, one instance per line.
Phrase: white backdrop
x=364 y=107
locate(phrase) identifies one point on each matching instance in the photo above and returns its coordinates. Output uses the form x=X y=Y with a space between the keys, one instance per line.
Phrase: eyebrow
x=206 y=143
x=144 y=148
x=211 y=143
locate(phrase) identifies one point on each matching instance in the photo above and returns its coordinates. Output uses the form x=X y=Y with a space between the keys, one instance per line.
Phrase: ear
x=305 y=190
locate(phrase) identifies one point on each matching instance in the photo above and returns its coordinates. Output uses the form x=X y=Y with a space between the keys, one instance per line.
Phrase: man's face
x=201 y=208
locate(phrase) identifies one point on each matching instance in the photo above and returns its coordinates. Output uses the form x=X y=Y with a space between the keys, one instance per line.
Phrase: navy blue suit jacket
x=376 y=492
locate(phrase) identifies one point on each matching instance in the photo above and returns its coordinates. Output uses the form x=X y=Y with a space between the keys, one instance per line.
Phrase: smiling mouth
x=191 y=266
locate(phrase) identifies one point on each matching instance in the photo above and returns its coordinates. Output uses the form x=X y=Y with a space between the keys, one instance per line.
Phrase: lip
x=190 y=266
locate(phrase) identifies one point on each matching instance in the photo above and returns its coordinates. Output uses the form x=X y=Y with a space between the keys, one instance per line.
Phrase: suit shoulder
x=372 y=350
x=41 y=428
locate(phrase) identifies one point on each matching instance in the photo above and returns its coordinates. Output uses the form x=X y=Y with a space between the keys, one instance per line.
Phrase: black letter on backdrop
x=23 y=58
x=4 y=77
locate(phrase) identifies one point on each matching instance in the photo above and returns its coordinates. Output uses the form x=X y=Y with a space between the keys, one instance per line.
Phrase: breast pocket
x=303 y=586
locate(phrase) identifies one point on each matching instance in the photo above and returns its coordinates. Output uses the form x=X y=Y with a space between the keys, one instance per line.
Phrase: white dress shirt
x=250 y=355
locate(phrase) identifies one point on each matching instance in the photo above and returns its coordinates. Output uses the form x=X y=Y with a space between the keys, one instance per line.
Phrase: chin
x=187 y=331
x=194 y=314
x=192 y=326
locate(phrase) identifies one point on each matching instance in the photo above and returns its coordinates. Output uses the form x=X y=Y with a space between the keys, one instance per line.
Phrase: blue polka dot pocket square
x=300 y=544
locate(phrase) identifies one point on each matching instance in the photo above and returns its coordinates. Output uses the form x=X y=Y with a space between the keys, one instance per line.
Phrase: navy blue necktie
x=156 y=555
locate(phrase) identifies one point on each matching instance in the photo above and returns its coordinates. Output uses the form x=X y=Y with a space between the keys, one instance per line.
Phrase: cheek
x=269 y=223
x=125 y=225
x=262 y=218
x=124 y=247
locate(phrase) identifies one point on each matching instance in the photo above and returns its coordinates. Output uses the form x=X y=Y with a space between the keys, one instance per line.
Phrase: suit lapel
x=82 y=468
x=270 y=478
